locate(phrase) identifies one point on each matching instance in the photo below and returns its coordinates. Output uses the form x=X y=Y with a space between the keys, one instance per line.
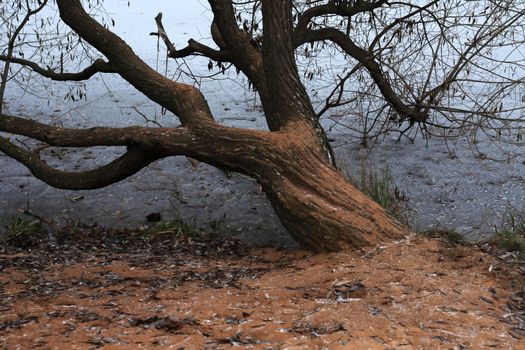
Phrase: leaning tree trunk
x=322 y=211
x=319 y=207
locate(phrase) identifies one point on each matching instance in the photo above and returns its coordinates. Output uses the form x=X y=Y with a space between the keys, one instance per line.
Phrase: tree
x=292 y=161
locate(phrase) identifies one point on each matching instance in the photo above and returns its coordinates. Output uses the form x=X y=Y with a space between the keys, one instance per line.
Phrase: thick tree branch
x=228 y=36
x=98 y=136
x=183 y=100
x=340 y=8
x=193 y=47
x=286 y=91
x=99 y=66
x=367 y=60
x=221 y=146
x=286 y=102
x=126 y=165
x=145 y=145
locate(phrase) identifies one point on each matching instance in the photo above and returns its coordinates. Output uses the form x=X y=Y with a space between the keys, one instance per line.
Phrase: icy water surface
x=446 y=187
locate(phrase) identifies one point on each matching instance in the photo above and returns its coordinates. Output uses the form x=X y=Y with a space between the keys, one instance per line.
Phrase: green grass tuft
x=176 y=228
x=22 y=233
x=449 y=235
x=510 y=235
x=378 y=184
x=218 y=228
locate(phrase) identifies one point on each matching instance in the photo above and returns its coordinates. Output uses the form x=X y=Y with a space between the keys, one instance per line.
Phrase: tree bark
x=319 y=207
x=323 y=212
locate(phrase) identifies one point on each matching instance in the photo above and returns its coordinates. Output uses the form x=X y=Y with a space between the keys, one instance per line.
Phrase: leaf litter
x=120 y=290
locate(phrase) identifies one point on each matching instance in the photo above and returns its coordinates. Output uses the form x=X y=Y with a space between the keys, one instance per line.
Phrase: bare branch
x=398 y=21
x=228 y=36
x=193 y=47
x=338 y=91
x=343 y=8
x=183 y=100
x=99 y=66
x=162 y=33
x=368 y=61
x=482 y=39
x=11 y=46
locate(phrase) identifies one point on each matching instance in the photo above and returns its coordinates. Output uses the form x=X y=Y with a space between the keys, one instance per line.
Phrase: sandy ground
x=119 y=292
